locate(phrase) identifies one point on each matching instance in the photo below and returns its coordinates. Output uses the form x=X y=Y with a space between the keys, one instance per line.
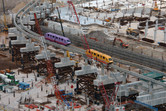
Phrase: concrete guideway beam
x=10 y=35
x=20 y=40
x=64 y=63
x=44 y=56
x=30 y=47
x=37 y=36
x=86 y=69
x=12 y=30
x=124 y=88
x=154 y=98
x=105 y=79
x=138 y=66
x=139 y=76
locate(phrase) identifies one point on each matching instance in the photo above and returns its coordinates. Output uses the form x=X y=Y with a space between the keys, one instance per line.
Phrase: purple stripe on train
x=57 y=38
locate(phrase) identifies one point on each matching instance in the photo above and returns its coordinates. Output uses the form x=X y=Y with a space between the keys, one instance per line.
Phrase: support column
x=22 y=62
x=150 y=86
x=165 y=35
x=146 y=29
x=125 y=78
x=155 y=30
x=102 y=68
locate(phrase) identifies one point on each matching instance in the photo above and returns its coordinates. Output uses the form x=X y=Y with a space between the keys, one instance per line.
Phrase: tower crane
x=78 y=21
x=48 y=62
x=109 y=102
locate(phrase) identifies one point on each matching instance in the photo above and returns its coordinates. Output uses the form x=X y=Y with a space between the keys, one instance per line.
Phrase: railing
x=146 y=105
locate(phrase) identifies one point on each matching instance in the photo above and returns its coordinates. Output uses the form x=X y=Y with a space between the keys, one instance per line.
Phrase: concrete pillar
x=165 y=35
x=150 y=87
x=155 y=30
x=77 y=84
x=57 y=72
x=87 y=101
x=22 y=62
x=146 y=29
x=125 y=78
x=102 y=69
x=20 y=33
x=63 y=106
x=65 y=53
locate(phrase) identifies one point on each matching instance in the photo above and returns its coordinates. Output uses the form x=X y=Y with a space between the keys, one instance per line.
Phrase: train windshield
x=110 y=59
x=68 y=41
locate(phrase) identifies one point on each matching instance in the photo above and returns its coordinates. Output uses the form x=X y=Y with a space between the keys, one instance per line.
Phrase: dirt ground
x=5 y=62
x=5 y=57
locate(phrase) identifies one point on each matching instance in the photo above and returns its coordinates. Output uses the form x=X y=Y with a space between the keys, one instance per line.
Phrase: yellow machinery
x=133 y=32
x=155 y=6
x=68 y=55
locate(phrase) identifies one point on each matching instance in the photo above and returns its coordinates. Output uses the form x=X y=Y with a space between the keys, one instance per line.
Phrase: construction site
x=82 y=55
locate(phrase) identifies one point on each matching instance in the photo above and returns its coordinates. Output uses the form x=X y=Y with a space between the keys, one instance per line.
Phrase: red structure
x=78 y=21
x=48 y=62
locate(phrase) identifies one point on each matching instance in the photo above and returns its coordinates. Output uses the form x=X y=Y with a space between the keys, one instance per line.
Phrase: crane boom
x=60 y=21
x=48 y=62
x=78 y=21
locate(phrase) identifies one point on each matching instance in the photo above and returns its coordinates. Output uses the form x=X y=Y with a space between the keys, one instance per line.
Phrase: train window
x=56 y=37
x=61 y=39
x=110 y=59
x=48 y=34
x=103 y=57
x=94 y=54
x=98 y=55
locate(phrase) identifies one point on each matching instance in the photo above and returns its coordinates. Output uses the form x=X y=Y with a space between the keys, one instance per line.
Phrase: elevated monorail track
x=116 y=52
x=108 y=49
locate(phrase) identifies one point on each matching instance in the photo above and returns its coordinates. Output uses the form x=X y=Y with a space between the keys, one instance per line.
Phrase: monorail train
x=57 y=38
x=106 y=59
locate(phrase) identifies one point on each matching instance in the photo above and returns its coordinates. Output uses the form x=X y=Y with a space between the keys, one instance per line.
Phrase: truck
x=3 y=47
x=133 y=32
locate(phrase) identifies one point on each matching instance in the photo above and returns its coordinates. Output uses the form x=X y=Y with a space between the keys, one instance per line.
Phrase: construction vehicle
x=155 y=6
x=133 y=32
x=3 y=47
x=93 y=38
x=123 y=45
